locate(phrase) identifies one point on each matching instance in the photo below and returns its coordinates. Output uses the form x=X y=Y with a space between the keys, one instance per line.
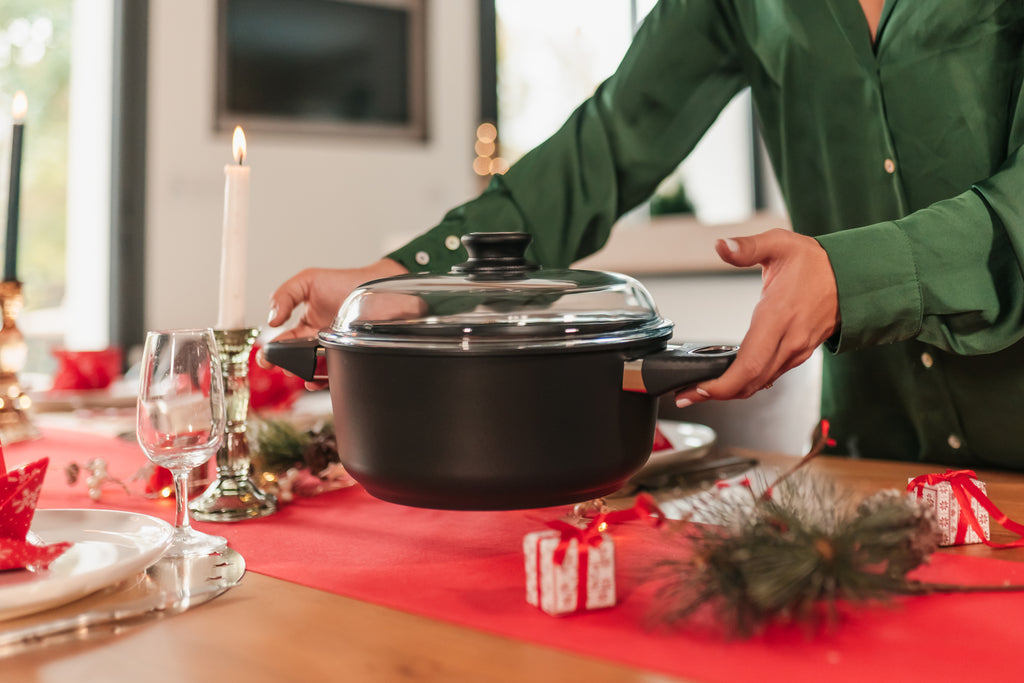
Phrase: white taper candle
x=231 y=314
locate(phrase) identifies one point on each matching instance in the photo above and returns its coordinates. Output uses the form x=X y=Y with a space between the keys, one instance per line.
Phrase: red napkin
x=19 y=492
x=83 y=370
x=271 y=388
x=661 y=442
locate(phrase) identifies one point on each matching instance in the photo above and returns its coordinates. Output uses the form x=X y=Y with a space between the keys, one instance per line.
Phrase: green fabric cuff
x=440 y=248
x=433 y=251
x=876 y=278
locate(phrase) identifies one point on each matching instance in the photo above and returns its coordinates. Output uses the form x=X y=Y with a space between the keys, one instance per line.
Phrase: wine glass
x=180 y=419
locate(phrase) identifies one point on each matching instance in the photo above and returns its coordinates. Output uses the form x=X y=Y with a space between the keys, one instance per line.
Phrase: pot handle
x=301 y=357
x=676 y=367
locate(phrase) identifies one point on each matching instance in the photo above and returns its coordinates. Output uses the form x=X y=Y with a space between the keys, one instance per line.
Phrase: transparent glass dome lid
x=498 y=301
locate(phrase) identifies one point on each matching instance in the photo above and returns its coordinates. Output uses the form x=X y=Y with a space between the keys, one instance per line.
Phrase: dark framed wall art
x=344 y=67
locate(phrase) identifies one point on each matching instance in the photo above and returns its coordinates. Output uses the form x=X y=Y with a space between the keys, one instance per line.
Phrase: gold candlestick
x=15 y=422
x=233 y=495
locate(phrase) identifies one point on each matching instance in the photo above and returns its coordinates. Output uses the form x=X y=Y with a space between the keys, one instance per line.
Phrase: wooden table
x=271 y=630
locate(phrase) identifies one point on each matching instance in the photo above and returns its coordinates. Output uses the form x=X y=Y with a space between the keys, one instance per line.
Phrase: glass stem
x=181 y=521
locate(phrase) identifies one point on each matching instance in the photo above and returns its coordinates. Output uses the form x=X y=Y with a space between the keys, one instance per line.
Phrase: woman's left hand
x=797 y=311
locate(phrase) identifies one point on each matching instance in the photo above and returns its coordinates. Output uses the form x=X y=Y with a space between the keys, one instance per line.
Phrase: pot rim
x=470 y=342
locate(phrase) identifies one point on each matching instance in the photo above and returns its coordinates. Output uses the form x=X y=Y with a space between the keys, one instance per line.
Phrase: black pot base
x=488 y=433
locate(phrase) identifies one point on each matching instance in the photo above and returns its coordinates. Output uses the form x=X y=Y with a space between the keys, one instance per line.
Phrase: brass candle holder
x=15 y=422
x=233 y=495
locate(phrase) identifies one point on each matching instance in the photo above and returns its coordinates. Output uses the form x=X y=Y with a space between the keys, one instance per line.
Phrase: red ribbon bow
x=964 y=489
x=590 y=535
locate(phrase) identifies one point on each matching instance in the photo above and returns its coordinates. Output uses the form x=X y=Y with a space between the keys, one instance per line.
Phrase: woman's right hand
x=322 y=290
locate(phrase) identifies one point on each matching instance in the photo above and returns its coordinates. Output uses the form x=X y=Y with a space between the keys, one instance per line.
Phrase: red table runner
x=467 y=568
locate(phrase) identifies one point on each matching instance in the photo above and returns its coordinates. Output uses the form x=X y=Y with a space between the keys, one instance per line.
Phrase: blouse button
x=890 y=166
x=422 y=258
x=954 y=442
x=452 y=242
x=927 y=360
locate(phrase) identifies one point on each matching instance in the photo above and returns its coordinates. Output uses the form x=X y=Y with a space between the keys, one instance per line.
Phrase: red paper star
x=19 y=493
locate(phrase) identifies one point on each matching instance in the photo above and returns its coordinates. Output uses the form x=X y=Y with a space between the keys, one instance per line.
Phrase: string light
x=482 y=166
x=486 y=132
x=483 y=148
x=487 y=162
x=498 y=166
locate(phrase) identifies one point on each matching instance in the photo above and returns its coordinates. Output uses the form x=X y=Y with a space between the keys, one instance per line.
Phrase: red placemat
x=467 y=568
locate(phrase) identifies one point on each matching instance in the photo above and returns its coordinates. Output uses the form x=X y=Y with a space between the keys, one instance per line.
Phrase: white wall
x=316 y=201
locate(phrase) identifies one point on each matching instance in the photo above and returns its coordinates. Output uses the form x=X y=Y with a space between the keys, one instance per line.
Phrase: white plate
x=109 y=546
x=689 y=442
x=687 y=436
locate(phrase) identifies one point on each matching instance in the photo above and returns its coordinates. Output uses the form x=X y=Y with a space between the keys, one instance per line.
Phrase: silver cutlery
x=170 y=586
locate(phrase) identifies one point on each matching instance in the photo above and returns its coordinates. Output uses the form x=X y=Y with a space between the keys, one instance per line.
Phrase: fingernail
x=272 y=315
x=732 y=245
x=702 y=392
x=683 y=402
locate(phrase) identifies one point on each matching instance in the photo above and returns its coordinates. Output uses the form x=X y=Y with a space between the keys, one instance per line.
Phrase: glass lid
x=498 y=302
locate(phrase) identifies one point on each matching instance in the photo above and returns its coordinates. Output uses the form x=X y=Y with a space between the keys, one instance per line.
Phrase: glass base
x=231 y=499
x=187 y=542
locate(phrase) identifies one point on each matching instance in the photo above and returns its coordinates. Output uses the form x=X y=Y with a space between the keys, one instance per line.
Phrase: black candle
x=17 y=135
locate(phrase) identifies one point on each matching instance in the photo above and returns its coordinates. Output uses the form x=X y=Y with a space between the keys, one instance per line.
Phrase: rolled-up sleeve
x=950 y=274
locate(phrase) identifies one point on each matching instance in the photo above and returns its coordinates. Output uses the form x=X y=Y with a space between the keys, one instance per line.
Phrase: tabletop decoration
x=570 y=567
x=287 y=461
x=149 y=481
x=159 y=482
x=16 y=423
x=234 y=494
x=962 y=508
x=98 y=477
x=19 y=493
x=570 y=574
x=793 y=552
x=294 y=461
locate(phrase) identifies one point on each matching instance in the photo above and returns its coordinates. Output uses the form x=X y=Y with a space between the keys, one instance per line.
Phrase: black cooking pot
x=498 y=385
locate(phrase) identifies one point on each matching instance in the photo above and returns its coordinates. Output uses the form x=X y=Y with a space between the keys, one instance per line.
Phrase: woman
x=895 y=132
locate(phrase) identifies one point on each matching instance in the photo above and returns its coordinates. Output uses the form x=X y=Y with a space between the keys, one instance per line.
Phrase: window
x=552 y=54
x=61 y=54
x=35 y=58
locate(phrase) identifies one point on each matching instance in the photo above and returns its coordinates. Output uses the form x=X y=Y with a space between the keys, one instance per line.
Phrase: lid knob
x=496 y=255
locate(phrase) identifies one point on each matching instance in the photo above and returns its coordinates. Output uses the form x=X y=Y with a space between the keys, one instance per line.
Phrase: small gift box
x=19 y=492
x=958 y=499
x=570 y=570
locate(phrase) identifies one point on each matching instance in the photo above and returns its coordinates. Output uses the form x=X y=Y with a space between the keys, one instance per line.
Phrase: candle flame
x=238 y=145
x=20 y=107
